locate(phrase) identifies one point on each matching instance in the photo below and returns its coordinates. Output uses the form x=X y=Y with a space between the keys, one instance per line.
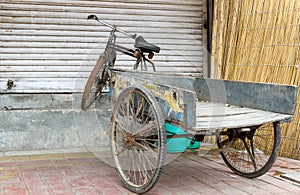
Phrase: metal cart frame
x=245 y=117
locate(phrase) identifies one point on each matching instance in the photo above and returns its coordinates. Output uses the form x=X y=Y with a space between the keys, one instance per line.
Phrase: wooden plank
x=211 y=116
x=208 y=109
x=263 y=96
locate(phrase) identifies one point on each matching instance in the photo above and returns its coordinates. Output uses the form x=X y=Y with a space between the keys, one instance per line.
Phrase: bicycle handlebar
x=94 y=17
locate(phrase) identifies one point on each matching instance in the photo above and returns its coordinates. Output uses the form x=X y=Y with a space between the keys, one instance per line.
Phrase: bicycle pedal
x=150 y=55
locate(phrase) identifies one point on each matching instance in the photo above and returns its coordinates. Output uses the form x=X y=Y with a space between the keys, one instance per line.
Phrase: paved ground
x=82 y=173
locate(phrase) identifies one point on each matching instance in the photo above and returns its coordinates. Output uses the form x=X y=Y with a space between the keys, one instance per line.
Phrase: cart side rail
x=175 y=95
x=263 y=96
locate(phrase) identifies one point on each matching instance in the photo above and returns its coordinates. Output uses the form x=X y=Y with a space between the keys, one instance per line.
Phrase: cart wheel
x=138 y=139
x=250 y=152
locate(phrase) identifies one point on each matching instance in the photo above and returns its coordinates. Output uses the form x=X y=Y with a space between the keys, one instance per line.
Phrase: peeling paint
x=172 y=102
x=163 y=92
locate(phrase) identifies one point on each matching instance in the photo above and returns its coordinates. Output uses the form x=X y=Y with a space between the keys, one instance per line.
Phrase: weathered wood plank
x=208 y=109
x=263 y=96
x=218 y=116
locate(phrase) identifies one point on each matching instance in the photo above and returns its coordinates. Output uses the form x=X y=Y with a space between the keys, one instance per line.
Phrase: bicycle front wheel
x=95 y=83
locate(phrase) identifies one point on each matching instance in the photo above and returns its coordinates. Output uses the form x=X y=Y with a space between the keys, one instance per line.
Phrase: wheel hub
x=129 y=141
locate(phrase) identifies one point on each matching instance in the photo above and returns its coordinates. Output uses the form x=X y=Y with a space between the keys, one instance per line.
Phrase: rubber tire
x=268 y=164
x=160 y=121
x=87 y=90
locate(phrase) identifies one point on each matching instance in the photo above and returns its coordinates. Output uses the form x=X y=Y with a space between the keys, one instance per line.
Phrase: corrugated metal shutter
x=49 y=46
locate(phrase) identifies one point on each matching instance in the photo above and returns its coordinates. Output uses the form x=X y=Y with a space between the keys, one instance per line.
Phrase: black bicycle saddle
x=142 y=44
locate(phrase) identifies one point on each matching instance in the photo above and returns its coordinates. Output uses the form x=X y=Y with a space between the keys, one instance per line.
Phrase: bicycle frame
x=111 y=46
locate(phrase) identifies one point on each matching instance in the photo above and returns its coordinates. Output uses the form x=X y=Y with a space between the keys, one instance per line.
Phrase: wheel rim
x=96 y=89
x=97 y=85
x=251 y=151
x=136 y=139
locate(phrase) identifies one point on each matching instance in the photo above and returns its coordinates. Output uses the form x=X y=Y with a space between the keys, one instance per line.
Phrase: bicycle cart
x=151 y=108
x=245 y=117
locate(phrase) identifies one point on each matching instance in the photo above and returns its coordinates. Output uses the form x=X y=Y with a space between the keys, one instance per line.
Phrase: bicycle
x=100 y=76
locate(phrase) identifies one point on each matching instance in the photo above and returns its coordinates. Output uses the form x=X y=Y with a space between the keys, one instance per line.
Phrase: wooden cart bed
x=210 y=116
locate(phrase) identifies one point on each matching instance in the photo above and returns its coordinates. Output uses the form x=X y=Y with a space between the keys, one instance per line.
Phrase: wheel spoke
x=145 y=128
x=249 y=152
x=138 y=139
x=140 y=102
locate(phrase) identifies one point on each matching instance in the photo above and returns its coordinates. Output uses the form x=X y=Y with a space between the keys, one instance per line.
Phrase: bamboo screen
x=259 y=40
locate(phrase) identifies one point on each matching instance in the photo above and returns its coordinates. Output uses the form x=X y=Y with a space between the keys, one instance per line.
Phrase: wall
x=35 y=122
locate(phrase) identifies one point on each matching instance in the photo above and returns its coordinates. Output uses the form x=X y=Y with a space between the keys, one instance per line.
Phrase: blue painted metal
x=262 y=96
x=175 y=94
x=178 y=95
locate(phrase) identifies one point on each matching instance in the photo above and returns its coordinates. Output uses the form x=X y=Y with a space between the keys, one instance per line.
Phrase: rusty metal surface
x=175 y=94
x=179 y=96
